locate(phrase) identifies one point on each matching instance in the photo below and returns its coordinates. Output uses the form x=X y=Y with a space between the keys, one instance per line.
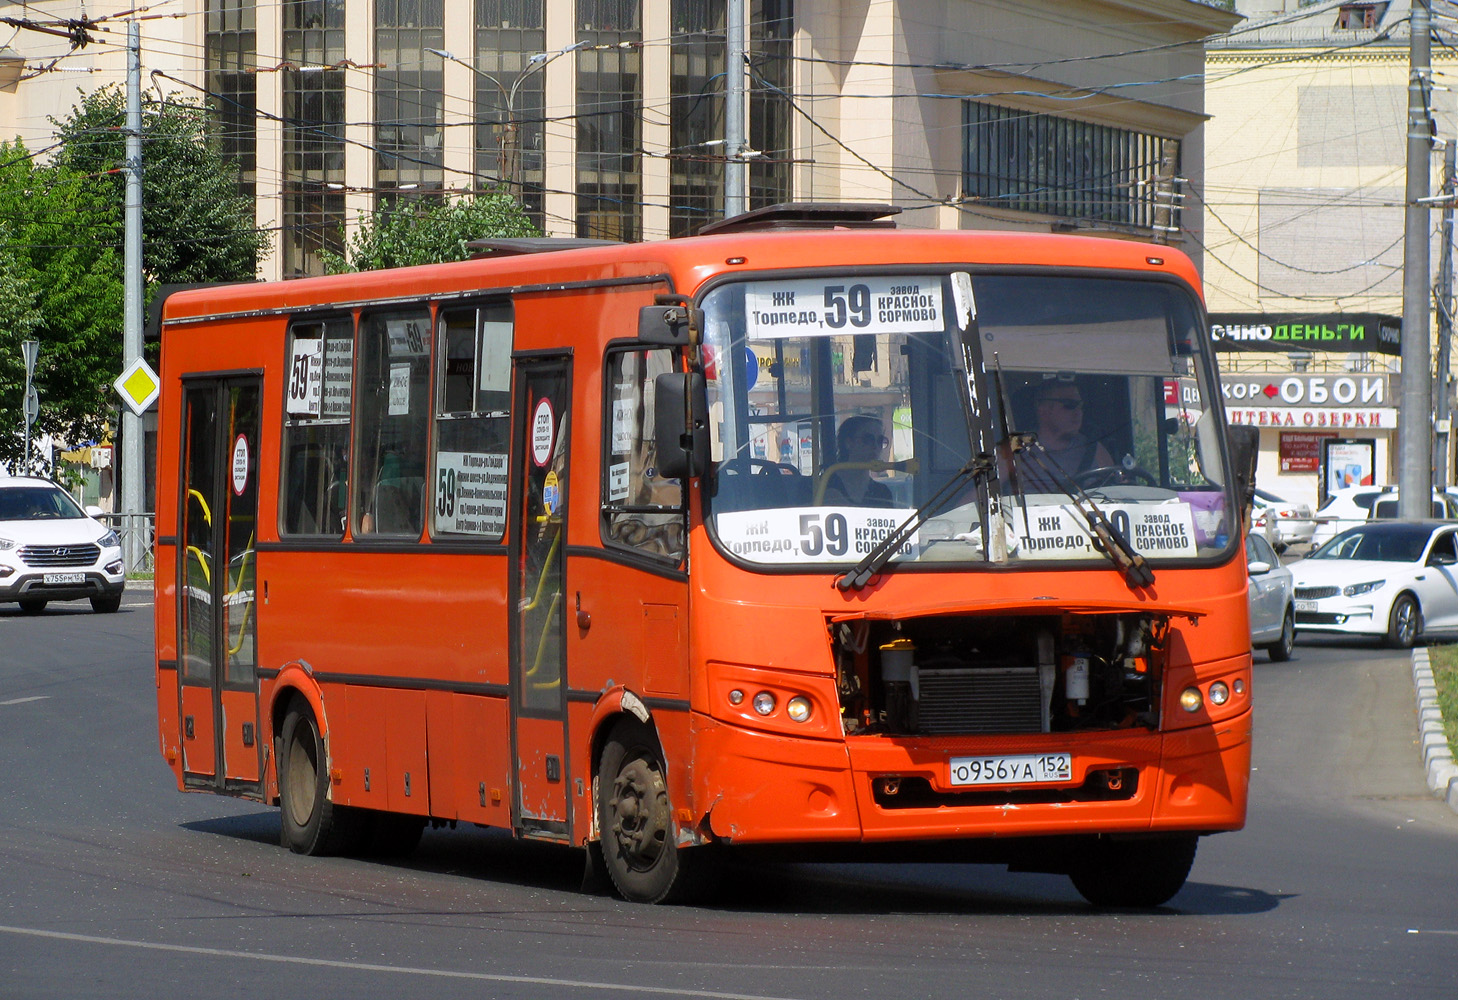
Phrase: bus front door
x=216 y=632
x=538 y=545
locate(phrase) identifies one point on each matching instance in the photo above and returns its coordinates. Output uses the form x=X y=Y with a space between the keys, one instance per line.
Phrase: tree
x=426 y=231
x=61 y=254
x=196 y=224
x=60 y=284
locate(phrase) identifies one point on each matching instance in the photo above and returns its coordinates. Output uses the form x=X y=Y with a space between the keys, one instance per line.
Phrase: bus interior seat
x=761 y=490
x=397 y=505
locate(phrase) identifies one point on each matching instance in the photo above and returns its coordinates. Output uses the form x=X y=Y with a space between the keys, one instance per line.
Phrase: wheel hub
x=640 y=819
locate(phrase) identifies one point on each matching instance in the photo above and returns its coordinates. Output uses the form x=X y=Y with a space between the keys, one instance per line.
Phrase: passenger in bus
x=1058 y=411
x=858 y=446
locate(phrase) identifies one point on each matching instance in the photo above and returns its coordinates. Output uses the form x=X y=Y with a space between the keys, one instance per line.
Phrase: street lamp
x=510 y=165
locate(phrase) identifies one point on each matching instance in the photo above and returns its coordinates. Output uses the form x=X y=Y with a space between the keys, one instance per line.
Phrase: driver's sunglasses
x=1067 y=404
x=877 y=439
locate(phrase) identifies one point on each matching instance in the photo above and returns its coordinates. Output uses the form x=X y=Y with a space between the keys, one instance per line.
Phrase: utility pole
x=132 y=434
x=1442 y=418
x=736 y=171
x=1415 y=474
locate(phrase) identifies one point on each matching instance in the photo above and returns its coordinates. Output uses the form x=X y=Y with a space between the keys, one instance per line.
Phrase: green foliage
x=424 y=231
x=60 y=284
x=1444 y=661
x=196 y=225
x=61 y=233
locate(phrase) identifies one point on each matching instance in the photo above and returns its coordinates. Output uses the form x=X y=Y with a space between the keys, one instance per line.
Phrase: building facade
x=1303 y=199
x=606 y=117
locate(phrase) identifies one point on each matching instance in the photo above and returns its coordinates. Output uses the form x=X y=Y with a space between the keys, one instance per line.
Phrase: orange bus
x=805 y=535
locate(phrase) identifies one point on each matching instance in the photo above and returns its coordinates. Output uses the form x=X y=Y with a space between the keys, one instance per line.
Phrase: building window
x=771 y=38
x=408 y=93
x=1033 y=162
x=609 y=107
x=232 y=49
x=696 y=86
x=1357 y=16
x=509 y=138
x=696 y=169
x=313 y=140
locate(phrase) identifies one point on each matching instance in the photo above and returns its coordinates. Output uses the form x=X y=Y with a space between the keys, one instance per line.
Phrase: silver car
x=1272 y=600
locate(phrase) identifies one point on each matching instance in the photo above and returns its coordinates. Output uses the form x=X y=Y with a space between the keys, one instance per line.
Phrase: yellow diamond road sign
x=138 y=386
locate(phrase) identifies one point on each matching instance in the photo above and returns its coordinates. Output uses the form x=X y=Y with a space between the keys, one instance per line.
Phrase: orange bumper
x=755 y=787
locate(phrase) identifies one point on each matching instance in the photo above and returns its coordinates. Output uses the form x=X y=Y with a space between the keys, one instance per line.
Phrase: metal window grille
x=1034 y=162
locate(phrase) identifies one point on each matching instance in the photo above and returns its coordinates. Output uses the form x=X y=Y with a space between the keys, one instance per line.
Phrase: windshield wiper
x=977 y=470
x=1129 y=561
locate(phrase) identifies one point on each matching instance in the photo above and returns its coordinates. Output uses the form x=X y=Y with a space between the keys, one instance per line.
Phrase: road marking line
x=22 y=701
x=371 y=967
x=1415 y=930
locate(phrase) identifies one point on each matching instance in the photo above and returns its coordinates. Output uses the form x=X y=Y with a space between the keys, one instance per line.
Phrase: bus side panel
x=379 y=752
x=441 y=759
x=482 y=751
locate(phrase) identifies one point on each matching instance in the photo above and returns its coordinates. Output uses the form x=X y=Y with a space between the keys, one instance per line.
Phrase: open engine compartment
x=1001 y=673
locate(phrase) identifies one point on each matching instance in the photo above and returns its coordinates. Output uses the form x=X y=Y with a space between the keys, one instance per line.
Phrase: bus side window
x=640 y=510
x=314 y=481
x=390 y=443
x=472 y=421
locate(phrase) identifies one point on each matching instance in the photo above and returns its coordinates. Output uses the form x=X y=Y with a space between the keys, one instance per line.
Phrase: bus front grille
x=969 y=700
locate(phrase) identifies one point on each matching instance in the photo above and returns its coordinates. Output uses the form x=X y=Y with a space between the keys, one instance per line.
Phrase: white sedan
x=1272 y=620
x=1393 y=580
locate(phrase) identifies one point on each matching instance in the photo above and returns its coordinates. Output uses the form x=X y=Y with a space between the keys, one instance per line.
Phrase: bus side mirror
x=1245 y=443
x=681 y=424
x=672 y=321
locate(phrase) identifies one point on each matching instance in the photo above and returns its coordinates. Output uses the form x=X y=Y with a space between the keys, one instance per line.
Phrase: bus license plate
x=1009 y=770
x=1305 y=605
x=65 y=578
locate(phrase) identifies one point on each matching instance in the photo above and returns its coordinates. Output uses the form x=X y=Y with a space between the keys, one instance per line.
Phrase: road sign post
x=30 y=349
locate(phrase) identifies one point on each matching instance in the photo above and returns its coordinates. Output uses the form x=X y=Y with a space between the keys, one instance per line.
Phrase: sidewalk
x=1437 y=757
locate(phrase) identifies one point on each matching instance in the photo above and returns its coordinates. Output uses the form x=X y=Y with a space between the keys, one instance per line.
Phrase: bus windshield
x=842 y=403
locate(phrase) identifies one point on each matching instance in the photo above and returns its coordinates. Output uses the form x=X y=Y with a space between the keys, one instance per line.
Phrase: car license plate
x=1305 y=605
x=65 y=578
x=1012 y=770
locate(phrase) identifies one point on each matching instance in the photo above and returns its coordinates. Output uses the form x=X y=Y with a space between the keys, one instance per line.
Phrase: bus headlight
x=798 y=708
x=1219 y=693
x=1190 y=699
x=764 y=703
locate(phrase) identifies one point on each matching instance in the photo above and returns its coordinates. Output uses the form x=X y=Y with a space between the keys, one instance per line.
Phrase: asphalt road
x=115 y=885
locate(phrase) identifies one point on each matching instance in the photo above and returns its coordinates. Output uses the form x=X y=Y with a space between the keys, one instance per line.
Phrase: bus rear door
x=216 y=614
x=538 y=547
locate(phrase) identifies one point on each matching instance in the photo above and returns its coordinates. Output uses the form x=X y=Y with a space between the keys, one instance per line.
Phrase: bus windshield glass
x=841 y=404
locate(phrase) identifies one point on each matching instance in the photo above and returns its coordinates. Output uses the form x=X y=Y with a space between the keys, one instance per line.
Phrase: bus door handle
x=584 y=620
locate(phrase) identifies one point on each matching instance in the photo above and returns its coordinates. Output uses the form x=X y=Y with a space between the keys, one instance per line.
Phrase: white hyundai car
x=1393 y=580
x=52 y=550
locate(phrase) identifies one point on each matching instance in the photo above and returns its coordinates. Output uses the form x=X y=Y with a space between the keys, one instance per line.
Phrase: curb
x=1432 y=743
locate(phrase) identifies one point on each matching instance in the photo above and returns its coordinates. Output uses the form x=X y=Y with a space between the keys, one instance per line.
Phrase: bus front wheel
x=1140 y=872
x=312 y=823
x=635 y=816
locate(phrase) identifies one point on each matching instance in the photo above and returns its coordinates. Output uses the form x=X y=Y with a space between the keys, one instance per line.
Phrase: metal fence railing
x=137 y=534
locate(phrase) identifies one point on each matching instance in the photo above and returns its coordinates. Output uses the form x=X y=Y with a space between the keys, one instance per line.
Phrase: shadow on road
x=494 y=856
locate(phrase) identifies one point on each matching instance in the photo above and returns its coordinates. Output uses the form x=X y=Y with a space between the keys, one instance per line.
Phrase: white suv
x=1359 y=504
x=51 y=550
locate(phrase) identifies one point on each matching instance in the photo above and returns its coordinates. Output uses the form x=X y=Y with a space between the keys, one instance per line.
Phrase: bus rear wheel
x=635 y=816
x=312 y=823
x=1141 y=872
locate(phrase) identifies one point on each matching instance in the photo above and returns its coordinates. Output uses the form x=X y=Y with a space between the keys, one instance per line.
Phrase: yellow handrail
x=207 y=513
x=248 y=610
